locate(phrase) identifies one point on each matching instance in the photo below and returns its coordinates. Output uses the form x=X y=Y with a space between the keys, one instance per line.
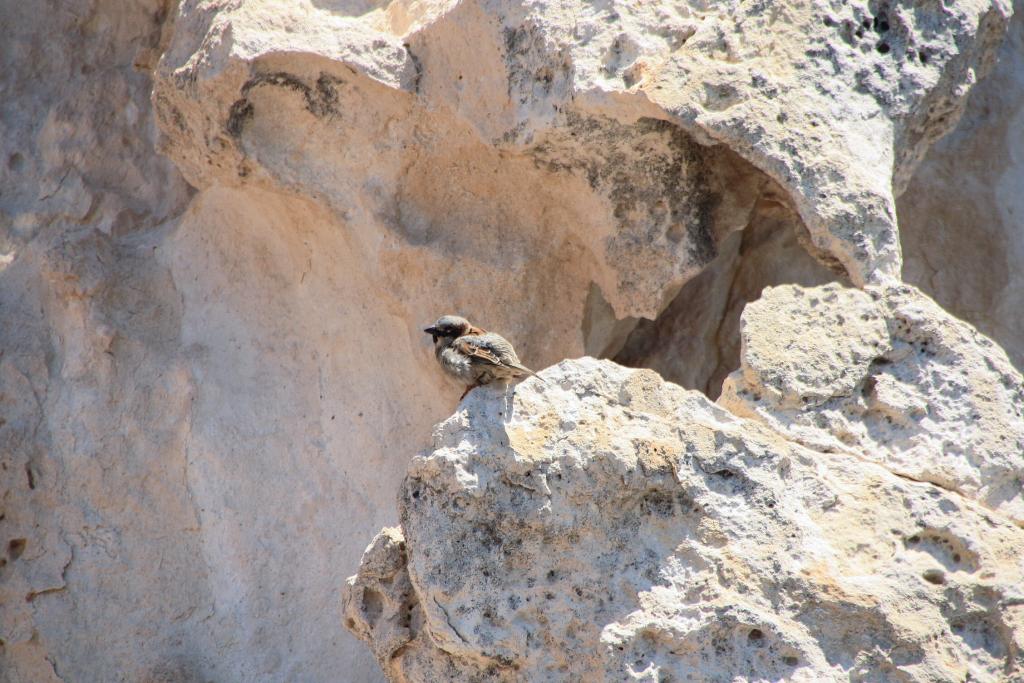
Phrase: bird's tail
x=529 y=372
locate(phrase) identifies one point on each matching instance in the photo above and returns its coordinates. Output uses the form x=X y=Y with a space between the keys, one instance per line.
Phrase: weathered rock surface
x=695 y=341
x=607 y=525
x=98 y=549
x=887 y=375
x=615 y=97
x=211 y=369
x=962 y=214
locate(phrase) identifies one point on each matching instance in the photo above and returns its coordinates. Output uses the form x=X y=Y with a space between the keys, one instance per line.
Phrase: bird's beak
x=431 y=330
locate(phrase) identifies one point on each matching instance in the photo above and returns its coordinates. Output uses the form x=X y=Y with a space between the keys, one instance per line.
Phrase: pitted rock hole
x=16 y=547
x=736 y=227
x=373 y=606
x=695 y=341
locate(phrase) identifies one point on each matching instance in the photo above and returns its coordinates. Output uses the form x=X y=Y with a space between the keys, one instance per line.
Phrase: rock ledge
x=607 y=525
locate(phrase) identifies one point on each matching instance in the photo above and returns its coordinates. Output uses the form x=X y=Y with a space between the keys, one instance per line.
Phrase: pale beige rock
x=371 y=610
x=364 y=133
x=962 y=214
x=606 y=526
x=695 y=341
x=594 y=92
x=835 y=103
x=803 y=347
x=199 y=437
x=890 y=377
x=98 y=570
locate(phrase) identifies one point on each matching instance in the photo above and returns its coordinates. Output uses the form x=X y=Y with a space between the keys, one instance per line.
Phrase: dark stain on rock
x=239 y=114
x=659 y=503
x=655 y=176
x=168 y=113
x=16 y=547
x=321 y=99
x=525 y=49
x=417 y=67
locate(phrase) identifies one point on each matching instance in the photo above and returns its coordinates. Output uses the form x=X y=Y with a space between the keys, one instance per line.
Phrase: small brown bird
x=472 y=355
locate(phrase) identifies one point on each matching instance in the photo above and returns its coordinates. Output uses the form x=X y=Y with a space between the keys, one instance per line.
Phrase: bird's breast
x=456 y=364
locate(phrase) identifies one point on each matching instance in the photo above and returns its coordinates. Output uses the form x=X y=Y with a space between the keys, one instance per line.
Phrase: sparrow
x=473 y=355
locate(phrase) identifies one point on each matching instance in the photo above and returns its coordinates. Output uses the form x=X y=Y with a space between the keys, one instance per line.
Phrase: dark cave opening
x=695 y=341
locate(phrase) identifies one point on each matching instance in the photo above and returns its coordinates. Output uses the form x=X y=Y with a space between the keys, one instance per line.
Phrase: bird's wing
x=476 y=350
x=490 y=350
x=500 y=347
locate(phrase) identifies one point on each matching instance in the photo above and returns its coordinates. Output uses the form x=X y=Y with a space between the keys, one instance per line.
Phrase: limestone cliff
x=223 y=224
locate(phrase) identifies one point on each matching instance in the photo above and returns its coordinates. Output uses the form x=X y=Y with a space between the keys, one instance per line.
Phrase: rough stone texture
x=695 y=341
x=962 y=215
x=603 y=92
x=823 y=96
x=211 y=369
x=382 y=605
x=93 y=404
x=888 y=376
x=607 y=526
x=367 y=136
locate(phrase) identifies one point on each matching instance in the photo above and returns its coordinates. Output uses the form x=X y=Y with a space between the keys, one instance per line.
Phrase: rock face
x=695 y=341
x=616 y=98
x=961 y=216
x=607 y=525
x=223 y=224
x=888 y=376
